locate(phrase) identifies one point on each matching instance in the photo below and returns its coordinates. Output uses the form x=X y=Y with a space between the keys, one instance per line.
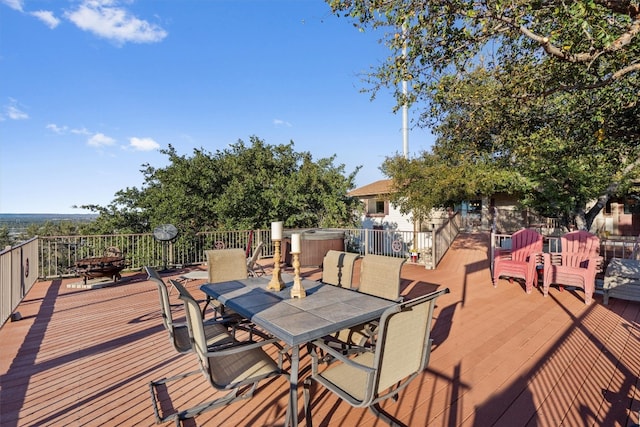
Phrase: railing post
x=492 y=249
x=434 y=248
x=366 y=241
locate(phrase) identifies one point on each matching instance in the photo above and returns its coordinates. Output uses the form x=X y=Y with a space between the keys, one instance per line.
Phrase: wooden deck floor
x=501 y=358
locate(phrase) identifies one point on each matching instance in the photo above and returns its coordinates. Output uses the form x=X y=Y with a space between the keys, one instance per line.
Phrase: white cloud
x=105 y=19
x=60 y=130
x=13 y=112
x=100 y=140
x=47 y=17
x=14 y=4
x=278 y=122
x=143 y=144
x=81 y=131
x=64 y=129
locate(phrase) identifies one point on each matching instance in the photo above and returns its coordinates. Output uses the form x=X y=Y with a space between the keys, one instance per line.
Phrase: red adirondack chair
x=576 y=264
x=520 y=261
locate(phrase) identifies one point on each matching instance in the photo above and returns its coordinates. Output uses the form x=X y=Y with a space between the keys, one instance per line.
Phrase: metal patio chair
x=402 y=353
x=337 y=268
x=237 y=367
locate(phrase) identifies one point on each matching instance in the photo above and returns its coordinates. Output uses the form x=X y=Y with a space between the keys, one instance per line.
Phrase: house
x=619 y=217
x=380 y=214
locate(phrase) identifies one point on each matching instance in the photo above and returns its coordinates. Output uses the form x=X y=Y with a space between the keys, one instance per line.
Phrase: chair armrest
x=552 y=258
x=599 y=261
x=594 y=265
x=338 y=356
x=240 y=347
x=502 y=253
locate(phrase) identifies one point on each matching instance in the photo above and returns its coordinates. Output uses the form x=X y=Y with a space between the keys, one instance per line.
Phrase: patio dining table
x=297 y=321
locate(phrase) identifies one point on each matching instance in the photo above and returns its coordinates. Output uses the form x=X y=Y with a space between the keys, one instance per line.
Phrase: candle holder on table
x=276 y=283
x=298 y=290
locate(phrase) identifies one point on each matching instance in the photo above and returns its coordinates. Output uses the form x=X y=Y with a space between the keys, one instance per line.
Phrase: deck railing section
x=59 y=254
x=18 y=273
x=56 y=256
x=443 y=236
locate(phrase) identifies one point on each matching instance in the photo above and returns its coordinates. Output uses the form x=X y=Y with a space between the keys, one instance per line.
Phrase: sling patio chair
x=254 y=269
x=402 y=353
x=216 y=330
x=337 y=268
x=521 y=260
x=224 y=265
x=236 y=368
x=575 y=265
x=379 y=276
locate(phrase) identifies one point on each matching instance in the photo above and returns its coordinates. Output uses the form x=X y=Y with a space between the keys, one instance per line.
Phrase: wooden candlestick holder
x=276 y=283
x=298 y=290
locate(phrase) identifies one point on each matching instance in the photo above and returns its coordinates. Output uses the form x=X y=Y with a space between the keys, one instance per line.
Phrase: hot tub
x=314 y=244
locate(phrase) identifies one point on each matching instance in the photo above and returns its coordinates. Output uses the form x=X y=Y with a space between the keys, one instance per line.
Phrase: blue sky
x=91 y=89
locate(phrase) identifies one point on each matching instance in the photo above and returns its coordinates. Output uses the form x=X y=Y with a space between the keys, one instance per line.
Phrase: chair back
x=380 y=276
x=577 y=247
x=525 y=242
x=337 y=268
x=226 y=264
x=251 y=263
x=196 y=327
x=178 y=332
x=403 y=346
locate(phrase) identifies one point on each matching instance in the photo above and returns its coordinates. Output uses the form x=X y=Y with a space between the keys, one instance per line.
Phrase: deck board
x=501 y=357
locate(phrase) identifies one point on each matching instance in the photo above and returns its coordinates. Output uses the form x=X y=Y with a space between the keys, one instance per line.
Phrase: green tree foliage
x=5 y=237
x=241 y=187
x=53 y=228
x=538 y=99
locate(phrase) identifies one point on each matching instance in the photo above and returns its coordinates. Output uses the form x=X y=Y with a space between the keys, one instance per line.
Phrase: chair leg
x=228 y=398
x=307 y=402
x=233 y=396
x=384 y=416
x=154 y=400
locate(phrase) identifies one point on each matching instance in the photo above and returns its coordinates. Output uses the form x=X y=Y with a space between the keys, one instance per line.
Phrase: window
x=631 y=206
x=377 y=207
x=475 y=206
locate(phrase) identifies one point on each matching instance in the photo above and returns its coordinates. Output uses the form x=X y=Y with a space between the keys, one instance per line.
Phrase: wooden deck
x=500 y=358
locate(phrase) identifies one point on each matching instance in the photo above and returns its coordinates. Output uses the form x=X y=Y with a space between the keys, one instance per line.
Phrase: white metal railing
x=59 y=254
x=18 y=273
x=56 y=256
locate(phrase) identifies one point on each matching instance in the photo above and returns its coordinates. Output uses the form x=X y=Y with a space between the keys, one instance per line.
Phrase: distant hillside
x=35 y=218
x=18 y=222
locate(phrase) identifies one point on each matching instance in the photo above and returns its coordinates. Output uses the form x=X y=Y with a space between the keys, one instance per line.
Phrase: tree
x=532 y=98
x=241 y=187
x=5 y=237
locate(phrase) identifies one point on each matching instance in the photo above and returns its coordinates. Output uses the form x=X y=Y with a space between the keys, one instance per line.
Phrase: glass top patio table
x=296 y=321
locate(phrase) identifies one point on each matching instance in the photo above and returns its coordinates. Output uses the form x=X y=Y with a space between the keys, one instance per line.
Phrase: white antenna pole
x=405 y=123
x=405 y=107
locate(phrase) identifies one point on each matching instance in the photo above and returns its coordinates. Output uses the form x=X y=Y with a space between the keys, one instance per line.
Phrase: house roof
x=375 y=188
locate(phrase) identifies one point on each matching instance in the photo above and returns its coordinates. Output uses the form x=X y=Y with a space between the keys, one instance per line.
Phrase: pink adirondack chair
x=576 y=264
x=520 y=261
